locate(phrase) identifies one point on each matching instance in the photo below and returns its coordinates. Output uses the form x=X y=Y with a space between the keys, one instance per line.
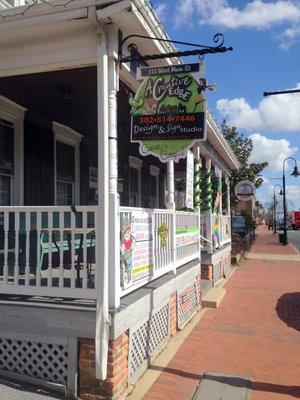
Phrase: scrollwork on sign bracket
x=200 y=49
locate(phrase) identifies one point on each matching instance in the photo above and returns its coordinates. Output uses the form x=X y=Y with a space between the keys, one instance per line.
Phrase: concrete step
x=213 y=298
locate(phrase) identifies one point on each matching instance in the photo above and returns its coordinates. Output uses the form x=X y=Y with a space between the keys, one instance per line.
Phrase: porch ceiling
x=43 y=94
x=47 y=39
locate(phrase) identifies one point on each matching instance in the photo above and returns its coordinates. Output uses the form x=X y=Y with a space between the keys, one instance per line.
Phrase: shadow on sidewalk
x=288 y=309
x=236 y=382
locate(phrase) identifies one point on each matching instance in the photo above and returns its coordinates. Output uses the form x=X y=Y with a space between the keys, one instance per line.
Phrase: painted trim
x=136 y=163
x=14 y=113
x=65 y=134
x=154 y=171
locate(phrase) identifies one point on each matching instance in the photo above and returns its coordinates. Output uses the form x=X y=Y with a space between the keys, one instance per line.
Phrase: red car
x=295 y=219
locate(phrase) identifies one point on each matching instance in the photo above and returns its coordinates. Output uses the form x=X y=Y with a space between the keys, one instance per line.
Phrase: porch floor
x=48 y=302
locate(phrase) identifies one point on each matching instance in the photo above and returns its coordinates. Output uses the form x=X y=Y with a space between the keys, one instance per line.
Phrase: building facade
x=99 y=262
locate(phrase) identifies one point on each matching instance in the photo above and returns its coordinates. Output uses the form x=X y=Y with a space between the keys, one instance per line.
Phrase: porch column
x=197 y=191
x=221 y=222
x=102 y=223
x=197 y=178
x=170 y=186
x=208 y=202
x=114 y=200
x=170 y=204
x=227 y=182
x=221 y=197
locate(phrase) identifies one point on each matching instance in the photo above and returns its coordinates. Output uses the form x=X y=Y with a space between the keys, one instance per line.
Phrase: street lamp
x=274 y=198
x=295 y=173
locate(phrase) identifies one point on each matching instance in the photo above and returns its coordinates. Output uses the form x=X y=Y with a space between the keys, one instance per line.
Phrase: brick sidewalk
x=255 y=332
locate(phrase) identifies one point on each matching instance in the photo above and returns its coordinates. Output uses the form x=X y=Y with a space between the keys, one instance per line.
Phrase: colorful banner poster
x=216 y=231
x=187 y=236
x=136 y=247
x=189 y=197
x=168 y=111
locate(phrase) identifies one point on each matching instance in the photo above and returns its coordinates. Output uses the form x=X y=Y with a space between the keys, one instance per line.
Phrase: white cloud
x=161 y=10
x=274 y=113
x=256 y=14
x=290 y=36
x=274 y=151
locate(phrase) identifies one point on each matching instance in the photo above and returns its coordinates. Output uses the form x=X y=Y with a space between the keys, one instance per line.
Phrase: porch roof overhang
x=65 y=35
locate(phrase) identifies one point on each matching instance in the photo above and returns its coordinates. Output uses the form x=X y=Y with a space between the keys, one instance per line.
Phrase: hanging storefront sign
x=245 y=190
x=168 y=110
x=189 y=197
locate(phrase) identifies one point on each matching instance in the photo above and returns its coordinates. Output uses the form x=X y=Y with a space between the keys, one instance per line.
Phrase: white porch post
x=197 y=190
x=114 y=218
x=221 y=197
x=171 y=206
x=102 y=223
x=170 y=186
x=221 y=214
x=209 y=212
x=227 y=181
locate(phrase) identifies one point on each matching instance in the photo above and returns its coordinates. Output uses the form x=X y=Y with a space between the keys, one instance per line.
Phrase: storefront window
x=6 y=161
x=65 y=173
x=135 y=182
x=154 y=187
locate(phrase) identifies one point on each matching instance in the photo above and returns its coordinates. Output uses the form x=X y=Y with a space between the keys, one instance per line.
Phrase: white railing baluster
x=5 y=265
x=73 y=270
x=84 y=255
x=33 y=241
x=27 y=247
x=17 y=231
x=38 y=249
x=61 y=249
x=50 y=244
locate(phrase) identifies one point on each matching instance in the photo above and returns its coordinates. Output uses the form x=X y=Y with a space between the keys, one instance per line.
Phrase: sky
x=265 y=36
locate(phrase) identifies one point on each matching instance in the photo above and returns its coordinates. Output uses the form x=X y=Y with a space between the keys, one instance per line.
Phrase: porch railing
x=154 y=242
x=52 y=251
x=49 y=251
x=225 y=229
x=215 y=228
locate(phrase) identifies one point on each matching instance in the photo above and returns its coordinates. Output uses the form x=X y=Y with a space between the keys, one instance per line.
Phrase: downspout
x=102 y=223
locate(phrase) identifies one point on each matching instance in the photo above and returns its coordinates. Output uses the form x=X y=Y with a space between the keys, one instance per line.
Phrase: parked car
x=280 y=226
x=295 y=216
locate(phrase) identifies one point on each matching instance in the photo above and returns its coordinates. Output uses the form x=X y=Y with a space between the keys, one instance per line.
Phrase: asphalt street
x=11 y=390
x=294 y=238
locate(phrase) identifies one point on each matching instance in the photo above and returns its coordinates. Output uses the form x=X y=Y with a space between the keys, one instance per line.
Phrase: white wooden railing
x=187 y=236
x=215 y=228
x=225 y=229
x=52 y=251
x=154 y=242
x=205 y=231
x=49 y=251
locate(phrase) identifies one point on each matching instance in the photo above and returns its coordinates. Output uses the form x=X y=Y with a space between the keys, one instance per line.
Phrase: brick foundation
x=114 y=387
x=198 y=288
x=207 y=272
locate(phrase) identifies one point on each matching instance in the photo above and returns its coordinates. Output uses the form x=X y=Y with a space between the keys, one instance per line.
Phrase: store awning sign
x=168 y=110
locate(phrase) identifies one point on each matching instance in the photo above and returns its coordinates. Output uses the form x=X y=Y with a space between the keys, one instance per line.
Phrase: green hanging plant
x=197 y=183
x=207 y=191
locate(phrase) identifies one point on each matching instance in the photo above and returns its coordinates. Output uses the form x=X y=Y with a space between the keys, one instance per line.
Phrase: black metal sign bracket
x=200 y=50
